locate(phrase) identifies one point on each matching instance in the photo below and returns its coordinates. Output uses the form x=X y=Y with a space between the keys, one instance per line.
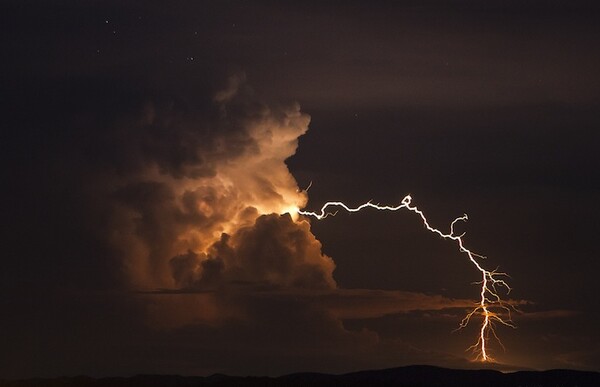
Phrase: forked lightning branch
x=491 y=307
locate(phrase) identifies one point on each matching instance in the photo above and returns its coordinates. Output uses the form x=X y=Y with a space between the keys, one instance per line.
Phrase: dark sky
x=143 y=149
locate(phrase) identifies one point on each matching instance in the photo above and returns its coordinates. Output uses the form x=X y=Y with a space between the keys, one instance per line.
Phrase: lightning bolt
x=490 y=306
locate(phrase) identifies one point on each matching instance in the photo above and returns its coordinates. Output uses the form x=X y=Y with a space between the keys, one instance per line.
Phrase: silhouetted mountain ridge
x=410 y=376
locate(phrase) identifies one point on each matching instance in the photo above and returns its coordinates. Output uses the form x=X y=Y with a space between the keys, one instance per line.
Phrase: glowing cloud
x=197 y=181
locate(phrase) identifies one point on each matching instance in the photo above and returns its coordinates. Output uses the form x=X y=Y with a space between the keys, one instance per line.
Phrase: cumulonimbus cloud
x=197 y=210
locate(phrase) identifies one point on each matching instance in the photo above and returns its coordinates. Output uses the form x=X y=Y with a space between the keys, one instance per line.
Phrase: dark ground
x=403 y=376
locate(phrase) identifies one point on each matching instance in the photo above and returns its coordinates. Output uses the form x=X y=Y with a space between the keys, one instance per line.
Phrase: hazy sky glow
x=151 y=152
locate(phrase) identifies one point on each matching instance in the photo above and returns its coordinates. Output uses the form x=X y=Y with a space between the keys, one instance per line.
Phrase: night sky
x=152 y=150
